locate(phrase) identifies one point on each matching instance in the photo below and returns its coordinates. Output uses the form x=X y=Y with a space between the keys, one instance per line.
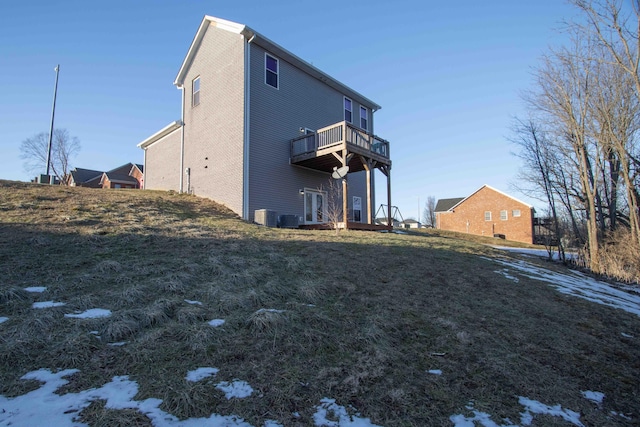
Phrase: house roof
x=411 y=221
x=254 y=37
x=80 y=175
x=444 y=205
x=461 y=200
x=119 y=177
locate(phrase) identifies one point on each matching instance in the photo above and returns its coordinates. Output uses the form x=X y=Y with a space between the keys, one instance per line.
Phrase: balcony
x=329 y=146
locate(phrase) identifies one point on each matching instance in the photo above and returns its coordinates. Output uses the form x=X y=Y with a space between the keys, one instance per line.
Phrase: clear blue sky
x=448 y=76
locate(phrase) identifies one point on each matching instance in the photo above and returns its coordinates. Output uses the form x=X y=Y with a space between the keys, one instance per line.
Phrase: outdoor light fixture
x=301 y=191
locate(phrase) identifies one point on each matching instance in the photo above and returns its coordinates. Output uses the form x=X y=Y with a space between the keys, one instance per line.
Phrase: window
x=364 y=118
x=348 y=110
x=271 y=71
x=195 y=98
x=515 y=213
x=503 y=215
x=487 y=216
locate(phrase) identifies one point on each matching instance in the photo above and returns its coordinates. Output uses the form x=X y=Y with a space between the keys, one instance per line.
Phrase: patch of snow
x=216 y=322
x=47 y=304
x=435 y=371
x=578 y=285
x=272 y=423
x=526 y=418
x=621 y=415
x=270 y=310
x=188 y=301
x=295 y=414
x=594 y=396
x=535 y=407
x=94 y=332
x=200 y=374
x=62 y=409
x=329 y=407
x=626 y=335
x=505 y=273
x=536 y=252
x=93 y=313
x=3 y=319
x=36 y=289
x=117 y=344
x=236 y=388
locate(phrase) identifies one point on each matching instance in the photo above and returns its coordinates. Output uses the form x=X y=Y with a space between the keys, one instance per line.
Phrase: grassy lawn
x=359 y=317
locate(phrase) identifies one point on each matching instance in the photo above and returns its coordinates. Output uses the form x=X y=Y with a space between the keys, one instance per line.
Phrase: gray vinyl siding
x=162 y=163
x=276 y=116
x=214 y=130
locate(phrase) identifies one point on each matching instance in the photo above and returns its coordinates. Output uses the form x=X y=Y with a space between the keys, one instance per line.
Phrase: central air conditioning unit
x=288 y=221
x=266 y=217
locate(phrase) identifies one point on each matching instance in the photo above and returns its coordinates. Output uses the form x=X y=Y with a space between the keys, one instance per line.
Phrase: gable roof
x=444 y=205
x=254 y=37
x=461 y=200
x=80 y=175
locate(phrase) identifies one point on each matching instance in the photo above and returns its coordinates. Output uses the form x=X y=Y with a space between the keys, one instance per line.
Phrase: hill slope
x=407 y=330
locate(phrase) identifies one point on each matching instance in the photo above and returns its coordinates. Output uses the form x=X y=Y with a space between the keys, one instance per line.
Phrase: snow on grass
x=36 y=289
x=201 y=373
x=189 y=301
x=3 y=319
x=578 y=285
x=531 y=407
x=329 y=408
x=594 y=396
x=47 y=304
x=93 y=313
x=61 y=410
x=117 y=344
x=626 y=335
x=270 y=310
x=505 y=273
x=435 y=371
x=536 y=252
x=216 y=322
x=236 y=388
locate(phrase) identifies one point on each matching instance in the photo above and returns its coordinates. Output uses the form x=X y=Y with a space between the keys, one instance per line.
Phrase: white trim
x=247 y=129
x=182 y=143
x=491 y=188
x=266 y=70
x=344 y=109
x=160 y=134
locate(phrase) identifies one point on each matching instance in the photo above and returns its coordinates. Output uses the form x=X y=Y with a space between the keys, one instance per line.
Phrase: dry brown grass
x=364 y=316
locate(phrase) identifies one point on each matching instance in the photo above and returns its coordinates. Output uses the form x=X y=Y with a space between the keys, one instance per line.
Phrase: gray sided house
x=263 y=129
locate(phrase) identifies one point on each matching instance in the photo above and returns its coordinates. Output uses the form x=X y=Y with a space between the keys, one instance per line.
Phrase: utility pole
x=53 y=113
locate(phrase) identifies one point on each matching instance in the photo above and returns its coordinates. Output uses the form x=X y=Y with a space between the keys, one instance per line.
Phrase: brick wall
x=469 y=216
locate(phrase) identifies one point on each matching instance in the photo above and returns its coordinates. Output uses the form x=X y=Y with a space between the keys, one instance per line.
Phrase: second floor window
x=503 y=215
x=271 y=70
x=348 y=110
x=364 y=118
x=196 y=92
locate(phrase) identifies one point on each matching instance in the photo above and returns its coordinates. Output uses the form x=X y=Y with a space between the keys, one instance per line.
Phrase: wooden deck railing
x=339 y=133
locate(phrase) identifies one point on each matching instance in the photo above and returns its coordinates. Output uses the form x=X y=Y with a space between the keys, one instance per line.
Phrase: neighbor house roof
x=444 y=205
x=80 y=175
x=257 y=38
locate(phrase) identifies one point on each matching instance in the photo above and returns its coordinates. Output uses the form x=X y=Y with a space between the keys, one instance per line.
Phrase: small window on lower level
x=487 y=216
x=504 y=215
x=515 y=213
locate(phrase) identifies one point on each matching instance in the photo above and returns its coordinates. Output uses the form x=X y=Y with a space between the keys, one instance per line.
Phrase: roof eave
x=160 y=134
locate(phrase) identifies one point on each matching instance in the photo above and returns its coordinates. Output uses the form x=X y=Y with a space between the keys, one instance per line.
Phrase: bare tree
x=334 y=209
x=63 y=148
x=429 y=212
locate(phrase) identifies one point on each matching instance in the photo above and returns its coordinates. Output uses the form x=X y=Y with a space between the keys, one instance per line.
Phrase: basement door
x=314 y=207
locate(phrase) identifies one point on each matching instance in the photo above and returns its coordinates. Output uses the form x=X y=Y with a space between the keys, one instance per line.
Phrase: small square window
x=196 y=91
x=487 y=216
x=503 y=215
x=271 y=70
x=348 y=110
x=364 y=118
x=515 y=213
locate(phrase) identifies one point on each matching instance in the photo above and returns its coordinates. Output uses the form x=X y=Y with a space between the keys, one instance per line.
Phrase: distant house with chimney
x=487 y=212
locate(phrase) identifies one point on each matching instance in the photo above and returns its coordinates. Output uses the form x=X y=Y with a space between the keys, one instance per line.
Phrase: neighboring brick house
x=261 y=129
x=487 y=212
x=129 y=175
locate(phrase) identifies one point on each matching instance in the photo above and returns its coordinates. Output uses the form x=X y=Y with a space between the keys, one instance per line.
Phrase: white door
x=314 y=207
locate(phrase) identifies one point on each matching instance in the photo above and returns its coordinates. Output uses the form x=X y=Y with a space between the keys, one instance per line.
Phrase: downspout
x=144 y=167
x=182 y=142
x=247 y=129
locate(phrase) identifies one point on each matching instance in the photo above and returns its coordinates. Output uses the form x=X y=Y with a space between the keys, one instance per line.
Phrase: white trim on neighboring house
x=491 y=188
x=182 y=171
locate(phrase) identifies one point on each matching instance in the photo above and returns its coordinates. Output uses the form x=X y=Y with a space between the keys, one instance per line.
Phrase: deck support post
x=387 y=171
x=369 y=166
